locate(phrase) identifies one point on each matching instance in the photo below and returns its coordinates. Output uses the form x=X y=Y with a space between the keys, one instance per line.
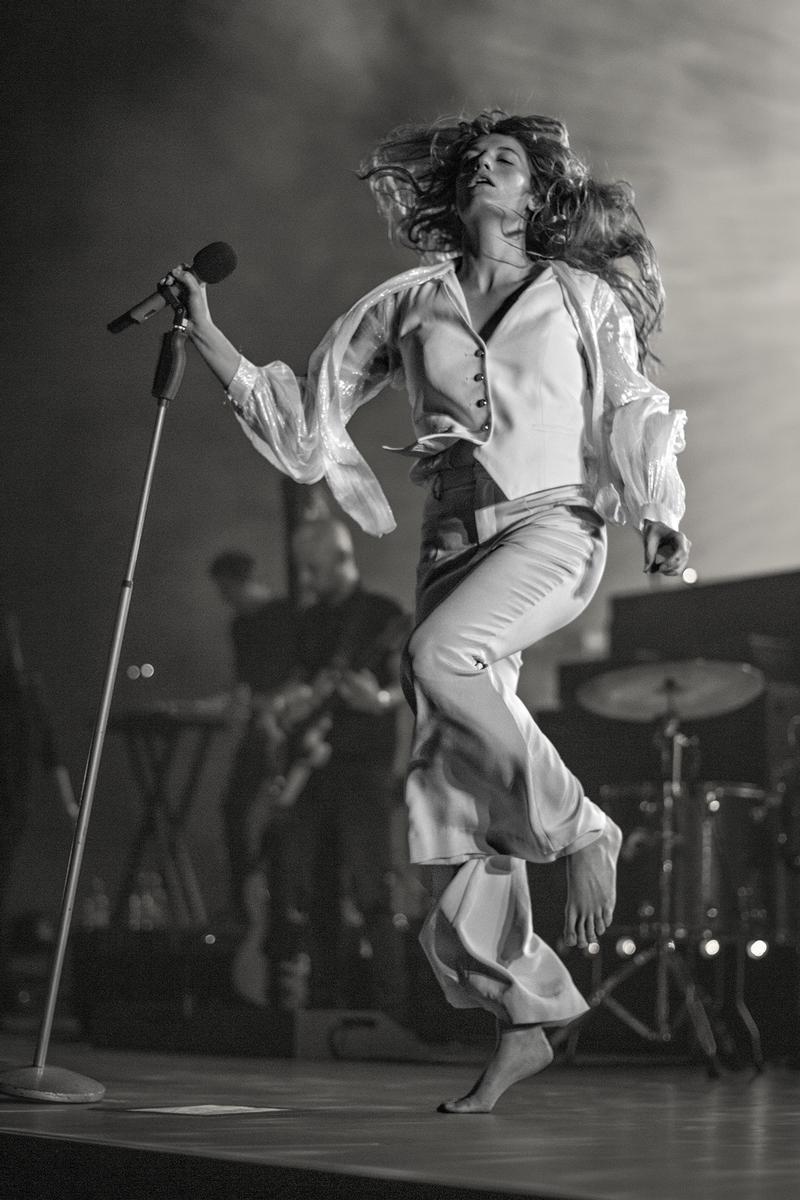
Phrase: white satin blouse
x=552 y=397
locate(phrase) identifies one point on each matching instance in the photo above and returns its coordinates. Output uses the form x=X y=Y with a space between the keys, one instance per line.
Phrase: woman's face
x=495 y=173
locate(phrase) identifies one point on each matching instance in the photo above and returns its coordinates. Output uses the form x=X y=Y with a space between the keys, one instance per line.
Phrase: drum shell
x=638 y=810
x=723 y=874
x=787 y=806
x=730 y=861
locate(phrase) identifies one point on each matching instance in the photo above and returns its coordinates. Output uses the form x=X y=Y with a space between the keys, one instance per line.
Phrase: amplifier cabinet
x=744 y=620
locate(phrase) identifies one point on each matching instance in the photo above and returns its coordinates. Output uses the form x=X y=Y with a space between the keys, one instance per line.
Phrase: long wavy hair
x=582 y=221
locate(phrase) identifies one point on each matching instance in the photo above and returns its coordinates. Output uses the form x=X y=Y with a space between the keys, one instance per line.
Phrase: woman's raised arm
x=214 y=347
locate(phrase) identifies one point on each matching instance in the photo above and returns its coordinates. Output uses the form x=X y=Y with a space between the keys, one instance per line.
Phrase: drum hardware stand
x=745 y=1016
x=740 y=1006
x=668 y=965
x=668 y=692
x=39 y=1081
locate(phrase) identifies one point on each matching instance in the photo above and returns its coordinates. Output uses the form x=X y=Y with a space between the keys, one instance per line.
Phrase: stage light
x=710 y=947
x=626 y=947
x=145 y=671
x=757 y=948
x=593 y=948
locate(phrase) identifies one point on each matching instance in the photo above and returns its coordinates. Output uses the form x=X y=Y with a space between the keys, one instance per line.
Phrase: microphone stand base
x=53 y=1084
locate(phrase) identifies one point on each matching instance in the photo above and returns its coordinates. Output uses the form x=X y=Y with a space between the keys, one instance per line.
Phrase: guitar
x=50 y=755
x=301 y=711
x=250 y=965
x=41 y=742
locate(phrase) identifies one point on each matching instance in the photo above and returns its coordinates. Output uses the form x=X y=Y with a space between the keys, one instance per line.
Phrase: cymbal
x=695 y=688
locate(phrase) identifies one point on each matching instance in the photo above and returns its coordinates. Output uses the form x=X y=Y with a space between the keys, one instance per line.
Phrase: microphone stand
x=39 y=1081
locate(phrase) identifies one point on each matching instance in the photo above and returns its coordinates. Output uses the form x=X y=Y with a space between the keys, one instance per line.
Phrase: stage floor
x=290 y=1128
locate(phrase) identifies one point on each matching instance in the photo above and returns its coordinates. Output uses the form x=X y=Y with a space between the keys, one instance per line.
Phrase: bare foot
x=522 y=1050
x=591 y=880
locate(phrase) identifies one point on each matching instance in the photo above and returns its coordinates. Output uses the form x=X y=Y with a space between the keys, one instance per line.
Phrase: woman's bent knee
x=432 y=654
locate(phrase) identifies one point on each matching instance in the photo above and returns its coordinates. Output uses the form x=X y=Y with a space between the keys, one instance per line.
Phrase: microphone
x=212 y=264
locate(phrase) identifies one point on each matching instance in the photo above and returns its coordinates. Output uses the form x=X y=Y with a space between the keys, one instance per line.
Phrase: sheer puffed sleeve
x=298 y=422
x=643 y=437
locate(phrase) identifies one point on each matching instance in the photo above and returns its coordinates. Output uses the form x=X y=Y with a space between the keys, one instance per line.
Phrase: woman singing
x=521 y=341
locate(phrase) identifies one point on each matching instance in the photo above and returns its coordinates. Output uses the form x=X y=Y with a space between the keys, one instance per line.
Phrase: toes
x=582 y=930
x=465 y=1105
x=576 y=931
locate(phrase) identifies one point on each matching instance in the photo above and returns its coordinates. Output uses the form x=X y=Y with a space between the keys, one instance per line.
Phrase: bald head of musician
x=234 y=573
x=325 y=562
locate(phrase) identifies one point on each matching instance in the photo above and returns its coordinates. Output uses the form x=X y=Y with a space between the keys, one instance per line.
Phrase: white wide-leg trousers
x=486 y=789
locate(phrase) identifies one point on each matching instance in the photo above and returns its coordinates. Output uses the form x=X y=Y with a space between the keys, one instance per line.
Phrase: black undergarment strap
x=486 y=331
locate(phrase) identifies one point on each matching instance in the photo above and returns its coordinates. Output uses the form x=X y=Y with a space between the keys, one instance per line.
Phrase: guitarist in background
x=332 y=866
x=263 y=634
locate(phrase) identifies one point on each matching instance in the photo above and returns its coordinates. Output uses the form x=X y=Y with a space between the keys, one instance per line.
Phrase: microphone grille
x=214 y=262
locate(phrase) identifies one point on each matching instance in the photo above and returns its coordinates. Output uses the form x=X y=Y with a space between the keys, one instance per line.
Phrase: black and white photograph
x=399 y=594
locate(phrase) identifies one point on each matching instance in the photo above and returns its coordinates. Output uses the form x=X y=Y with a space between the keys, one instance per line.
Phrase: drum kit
x=698 y=858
